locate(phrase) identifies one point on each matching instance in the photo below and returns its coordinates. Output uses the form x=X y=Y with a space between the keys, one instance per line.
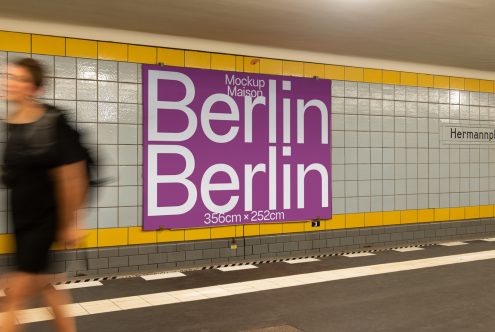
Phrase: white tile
x=107 y=133
x=128 y=196
x=107 y=91
x=128 y=72
x=107 y=70
x=301 y=260
x=65 y=67
x=128 y=155
x=107 y=112
x=87 y=111
x=131 y=302
x=408 y=249
x=187 y=295
x=263 y=284
x=128 y=113
x=97 y=307
x=128 y=93
x=452 y=244
x=163 y=276
x=78 y=285
x=160 y=298
x=65 y=89
x=361 y=254
x=128 y=216
x=213 y=292
x=33 y=315
x=286 y=281
x=86 y=69
x=237 y=268
x=128 y=134
x=86 y=90
x=74 y=310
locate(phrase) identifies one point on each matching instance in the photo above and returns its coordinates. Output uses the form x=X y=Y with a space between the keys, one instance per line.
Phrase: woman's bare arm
x=71 y=185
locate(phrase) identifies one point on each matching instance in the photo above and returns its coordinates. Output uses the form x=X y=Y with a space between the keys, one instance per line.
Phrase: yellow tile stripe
x=65 y=46
x=107 y=237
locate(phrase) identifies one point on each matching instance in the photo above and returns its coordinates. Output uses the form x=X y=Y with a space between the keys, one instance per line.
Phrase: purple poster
x=227 y=148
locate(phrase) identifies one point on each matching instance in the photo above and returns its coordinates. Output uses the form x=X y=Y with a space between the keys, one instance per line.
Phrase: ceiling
x=458 y=33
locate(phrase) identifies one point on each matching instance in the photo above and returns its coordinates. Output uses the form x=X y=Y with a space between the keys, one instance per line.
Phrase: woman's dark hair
x=34 y=68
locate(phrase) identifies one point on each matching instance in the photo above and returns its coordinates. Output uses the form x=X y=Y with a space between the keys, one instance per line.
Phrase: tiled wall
x=388 y=164
x=103 y=100
x=387 y=153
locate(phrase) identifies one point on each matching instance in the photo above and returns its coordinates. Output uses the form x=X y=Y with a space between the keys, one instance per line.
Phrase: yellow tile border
x=106 y=237
x=26 y=42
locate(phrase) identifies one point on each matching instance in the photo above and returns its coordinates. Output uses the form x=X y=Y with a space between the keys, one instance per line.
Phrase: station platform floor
x=447 y=287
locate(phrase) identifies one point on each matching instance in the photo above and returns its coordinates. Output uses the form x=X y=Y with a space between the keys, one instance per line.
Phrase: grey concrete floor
x=448 y=298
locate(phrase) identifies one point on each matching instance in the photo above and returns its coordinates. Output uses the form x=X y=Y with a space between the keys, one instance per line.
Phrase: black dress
x=32 y=151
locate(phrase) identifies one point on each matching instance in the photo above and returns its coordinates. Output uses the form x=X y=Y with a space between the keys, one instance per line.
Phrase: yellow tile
x=251 y=230
x=90 y=239
x=337 y=222
x=486 y=86
x=425 y=80
x=170 y=57
x=391 y=217
x=48 y=45
x=138 y=236
x=333 y=72
x=471 y=212
x=197 y=234
x=314 y=70
x=457 y=213
x=15 y=42
x=441 y=82
x=81 y=48
x=308 y=227
x=222 y=232
x=472 y=84
x=353 y=220
x=373 y=75
x=373 y=219
x=108 y=237
x=170 y=235
x=410 y=79
x=112 y=51
x=409 y=216
x=251 y=65
x=239 y=231
x=293 y=68
x=223 y=62
x=442 y=214
x=486 y=211
x=293 y=227
x=239 y=63
x=391 y=77
x=426 y=215
x=457 y=83
x=354 y=74
x=7 y=244
x=142 y=54
x=196 y=59
x=271 y=66
x=266 y=229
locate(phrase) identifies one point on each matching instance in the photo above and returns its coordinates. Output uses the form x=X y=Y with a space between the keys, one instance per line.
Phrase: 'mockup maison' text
x=245 y=86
